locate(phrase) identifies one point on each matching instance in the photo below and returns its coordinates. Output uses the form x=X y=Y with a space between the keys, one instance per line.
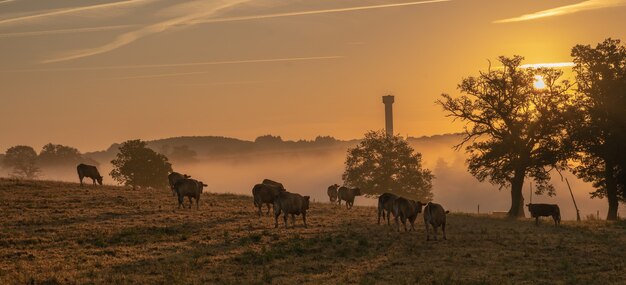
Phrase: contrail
x=71 y=10
x=266 y=60
x=313 y=12
x=65 y=31
x=568 y=9
x=5 y=1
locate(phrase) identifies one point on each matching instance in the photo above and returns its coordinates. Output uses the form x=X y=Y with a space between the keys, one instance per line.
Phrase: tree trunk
x=611 y=190
x=517 y=199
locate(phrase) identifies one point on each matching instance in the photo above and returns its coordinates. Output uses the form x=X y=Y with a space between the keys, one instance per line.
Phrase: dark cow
x=348 y=194
x=90 y=171
x=405 y=209
x=190 y=188
x=265 y=194
x=332 y=192
x=290 y=204
x=385 y=206
x=435 y=215
x=273 y=183
x=175 y=177
x=545 y=210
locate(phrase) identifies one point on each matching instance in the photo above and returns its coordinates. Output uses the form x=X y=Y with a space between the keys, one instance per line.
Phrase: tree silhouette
x=512 y=130
x=598 y=128
x=381 y=163
x=138 y=165
x=23 y=160
x=60 y=155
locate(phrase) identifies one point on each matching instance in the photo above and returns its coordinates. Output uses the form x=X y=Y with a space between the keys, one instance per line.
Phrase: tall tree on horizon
x=138 y=165
x=512 y=129
x=597 y=132
x=23 y=160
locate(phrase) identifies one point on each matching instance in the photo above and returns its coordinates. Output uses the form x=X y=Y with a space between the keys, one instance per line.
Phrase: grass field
x=60 y=233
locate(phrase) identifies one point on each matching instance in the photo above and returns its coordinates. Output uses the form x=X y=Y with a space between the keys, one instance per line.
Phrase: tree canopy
x=381 y=163
x=512 y=129
x=61 y=155
x=597 y=131
x=138 y=165
x=23 y=160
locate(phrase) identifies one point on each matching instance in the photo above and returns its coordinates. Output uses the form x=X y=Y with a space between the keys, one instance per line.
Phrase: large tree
x=59 y=155
x=382 y=163
x=513 y=129
x=598 y=132
x=23 y=160
x=138 y=165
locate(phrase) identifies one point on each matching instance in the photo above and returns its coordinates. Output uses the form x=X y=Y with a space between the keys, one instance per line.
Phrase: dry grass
x=54 y=232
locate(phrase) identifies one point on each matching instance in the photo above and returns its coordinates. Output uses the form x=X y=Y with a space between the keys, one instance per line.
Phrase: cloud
x=149 y=76
x=71 y=10
x=193 y=17
x=116 y=67
x=568 y=9
x=548 y=65
x=65 y=31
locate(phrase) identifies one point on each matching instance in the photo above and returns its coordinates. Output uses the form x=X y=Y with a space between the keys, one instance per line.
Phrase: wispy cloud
x=313 y=12
x=150 y=76
x=6 y=1
x=66 y=31
x=568 y=9
x=193 y=17
x=548 y=65
x=71 y=10
x=194 y=11
x=117 y=67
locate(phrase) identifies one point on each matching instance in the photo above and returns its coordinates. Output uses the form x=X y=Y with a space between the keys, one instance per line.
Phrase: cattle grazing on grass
x=175 y=177
x=435 y=215
x=385 y=206
x=545 y=210
x=405 y=209
x=332 y=192
x=348 y=194
x=265 y=194
x=90 y=171
x=190 y=188
x=290 y=204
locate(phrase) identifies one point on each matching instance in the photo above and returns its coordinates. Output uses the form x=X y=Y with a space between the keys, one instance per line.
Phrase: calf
x=332 y=192
x=175 y=177
x=90 y=171
x=385 y=205
x=435 y=215
x=265 y=194
x=348 y=194
x=406 y=209
x=290 y=204
x=545 y=210
x=189 y=188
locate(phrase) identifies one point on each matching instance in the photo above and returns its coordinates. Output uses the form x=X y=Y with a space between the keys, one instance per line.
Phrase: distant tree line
x=24 y=162
x=514 y=130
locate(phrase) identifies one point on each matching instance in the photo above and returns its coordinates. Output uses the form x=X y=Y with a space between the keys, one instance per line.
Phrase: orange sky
x=89 y=73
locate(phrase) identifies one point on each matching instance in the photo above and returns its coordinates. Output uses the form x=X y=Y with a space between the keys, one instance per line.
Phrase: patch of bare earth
x=54 y=232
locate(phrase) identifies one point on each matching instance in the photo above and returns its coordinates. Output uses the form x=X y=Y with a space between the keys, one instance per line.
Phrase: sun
x=539 y=83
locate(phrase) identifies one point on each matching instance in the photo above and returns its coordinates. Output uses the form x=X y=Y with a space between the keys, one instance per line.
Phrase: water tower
x=388 y=101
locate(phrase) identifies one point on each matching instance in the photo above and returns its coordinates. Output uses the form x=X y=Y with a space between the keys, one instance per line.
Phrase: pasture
x=60 y=233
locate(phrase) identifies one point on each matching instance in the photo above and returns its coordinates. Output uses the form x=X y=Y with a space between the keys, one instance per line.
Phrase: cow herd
x=272 y=193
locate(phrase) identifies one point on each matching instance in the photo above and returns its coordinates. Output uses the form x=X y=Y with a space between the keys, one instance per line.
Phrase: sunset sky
x=92 y=72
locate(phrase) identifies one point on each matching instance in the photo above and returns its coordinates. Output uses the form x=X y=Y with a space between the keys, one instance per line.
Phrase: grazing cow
x=385 y=206
x=435 y=215
x=190 y=188
x=332 y=192
x=90 y=171
x=290 y=204
x=265 y=194
x=406 y=209
x=175 y=177
x=348 y=194
x=545 y=210
x=273 y=183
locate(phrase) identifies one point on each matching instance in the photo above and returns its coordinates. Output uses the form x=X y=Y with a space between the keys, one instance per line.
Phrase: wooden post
x=575 y=206
x=479 y=209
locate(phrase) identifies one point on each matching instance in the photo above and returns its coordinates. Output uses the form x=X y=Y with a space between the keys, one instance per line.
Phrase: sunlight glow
x=548 y=65
x=539 y=83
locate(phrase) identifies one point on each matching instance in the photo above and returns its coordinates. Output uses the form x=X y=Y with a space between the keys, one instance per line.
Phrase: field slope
x=55 y=232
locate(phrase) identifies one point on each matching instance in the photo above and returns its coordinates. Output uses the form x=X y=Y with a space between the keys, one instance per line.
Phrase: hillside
x=54 y=232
